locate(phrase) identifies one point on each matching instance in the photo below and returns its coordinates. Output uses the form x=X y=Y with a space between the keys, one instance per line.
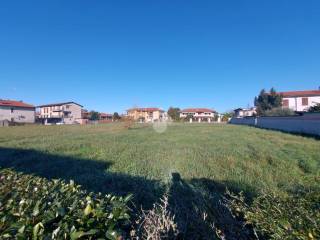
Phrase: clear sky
x=112 y=55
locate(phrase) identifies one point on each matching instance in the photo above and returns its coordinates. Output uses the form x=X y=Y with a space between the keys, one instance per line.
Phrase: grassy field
x=186 y=161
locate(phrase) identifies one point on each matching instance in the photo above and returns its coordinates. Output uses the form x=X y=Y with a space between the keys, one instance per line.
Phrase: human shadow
x=92 y=175
x=198 y=204
x=201 y=210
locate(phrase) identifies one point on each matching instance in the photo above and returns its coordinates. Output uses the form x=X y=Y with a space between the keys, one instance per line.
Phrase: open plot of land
x=203 y=158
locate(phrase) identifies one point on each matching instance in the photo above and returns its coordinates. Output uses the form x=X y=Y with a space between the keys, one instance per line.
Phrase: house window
x=305 y=101
x=285 y=103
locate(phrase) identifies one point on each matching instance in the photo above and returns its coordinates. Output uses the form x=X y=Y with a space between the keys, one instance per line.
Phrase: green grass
x=208 y=158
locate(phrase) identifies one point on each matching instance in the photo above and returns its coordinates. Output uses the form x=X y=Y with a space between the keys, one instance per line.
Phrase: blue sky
x=112 y=55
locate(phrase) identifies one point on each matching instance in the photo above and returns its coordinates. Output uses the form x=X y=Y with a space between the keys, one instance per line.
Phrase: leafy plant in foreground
x=274 y=216
x=35 y=208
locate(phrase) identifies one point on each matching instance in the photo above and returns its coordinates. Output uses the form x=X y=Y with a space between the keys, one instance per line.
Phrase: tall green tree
x=266 y=101
x=174 y=113
x=94 y=116
x=116 y=116
x=227 y=115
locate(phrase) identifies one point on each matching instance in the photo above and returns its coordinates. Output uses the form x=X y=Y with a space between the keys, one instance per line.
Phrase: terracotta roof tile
x=301 y=93
x=106 y=115
x=12 y=103
x=197 y=110
x=145 y=109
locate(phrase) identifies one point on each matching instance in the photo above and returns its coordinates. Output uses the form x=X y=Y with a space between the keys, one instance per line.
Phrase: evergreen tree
x=267 y=101
x=174 y=113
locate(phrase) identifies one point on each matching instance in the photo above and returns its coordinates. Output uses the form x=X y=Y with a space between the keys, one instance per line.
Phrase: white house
x=61 y=113
x=245 y=112
x=17 y=111
x=300 y=101
x=198 y=114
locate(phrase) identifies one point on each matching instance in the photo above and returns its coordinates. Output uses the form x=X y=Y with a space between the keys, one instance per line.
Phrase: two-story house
x=106 y=117
x=146 y=114
x=16 y=111
x=245 y=112
x=300 y=101
x=61 y=113
x=198 y=114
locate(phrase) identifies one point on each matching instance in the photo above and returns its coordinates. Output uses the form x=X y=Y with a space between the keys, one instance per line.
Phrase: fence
x=305 y=124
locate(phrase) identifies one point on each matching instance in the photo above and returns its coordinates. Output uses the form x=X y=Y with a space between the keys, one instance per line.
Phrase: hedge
x=35 y=208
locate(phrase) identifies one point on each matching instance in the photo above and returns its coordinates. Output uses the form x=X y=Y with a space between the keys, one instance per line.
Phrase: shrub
x=36 y=208
x=274 y=216
x=279 y=112
x=315 y=108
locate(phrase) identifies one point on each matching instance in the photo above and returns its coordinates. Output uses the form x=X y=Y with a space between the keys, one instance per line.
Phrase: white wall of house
x=17 y=114
x=245 y=112
x=296 y=103
x=197 y=114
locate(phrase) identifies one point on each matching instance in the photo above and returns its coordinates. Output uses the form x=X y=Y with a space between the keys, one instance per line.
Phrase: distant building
x=245 y=112
x=61 y=113
x=106 y=116
x=85 y=114
x=146 y=114
x=17 y=111
x=300 y=101
x=198 y=114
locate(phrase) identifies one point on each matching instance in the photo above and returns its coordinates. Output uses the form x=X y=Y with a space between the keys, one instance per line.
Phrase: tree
x=226 y=116
x=116 y=116
x=94 y=116
x=267 y=101
x=174 y=113
x=315 y=108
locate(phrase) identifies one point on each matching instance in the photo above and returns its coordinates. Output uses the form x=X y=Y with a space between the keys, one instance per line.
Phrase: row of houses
x=298 y=101
x=20 y=112
x=157 y=114
x=73 y=113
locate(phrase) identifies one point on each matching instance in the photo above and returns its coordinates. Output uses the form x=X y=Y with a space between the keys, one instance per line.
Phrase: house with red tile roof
x=16 y=111
x=198 y=114
x=300 y=101
x=151 y=114
x=106 y=116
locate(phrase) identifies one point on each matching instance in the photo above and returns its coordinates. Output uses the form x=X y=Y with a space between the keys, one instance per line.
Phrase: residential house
x=85 y=114
x=106 y=116
x=146 y=114
x=61 y=113
x=245 y=112
x=16 y=111
x=300 y=101
x=198 y=114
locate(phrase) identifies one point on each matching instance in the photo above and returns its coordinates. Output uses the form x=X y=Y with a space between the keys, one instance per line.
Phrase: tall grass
x=121 y=160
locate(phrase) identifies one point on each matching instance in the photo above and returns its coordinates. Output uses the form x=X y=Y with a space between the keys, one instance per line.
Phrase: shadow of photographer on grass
x=198 y=205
